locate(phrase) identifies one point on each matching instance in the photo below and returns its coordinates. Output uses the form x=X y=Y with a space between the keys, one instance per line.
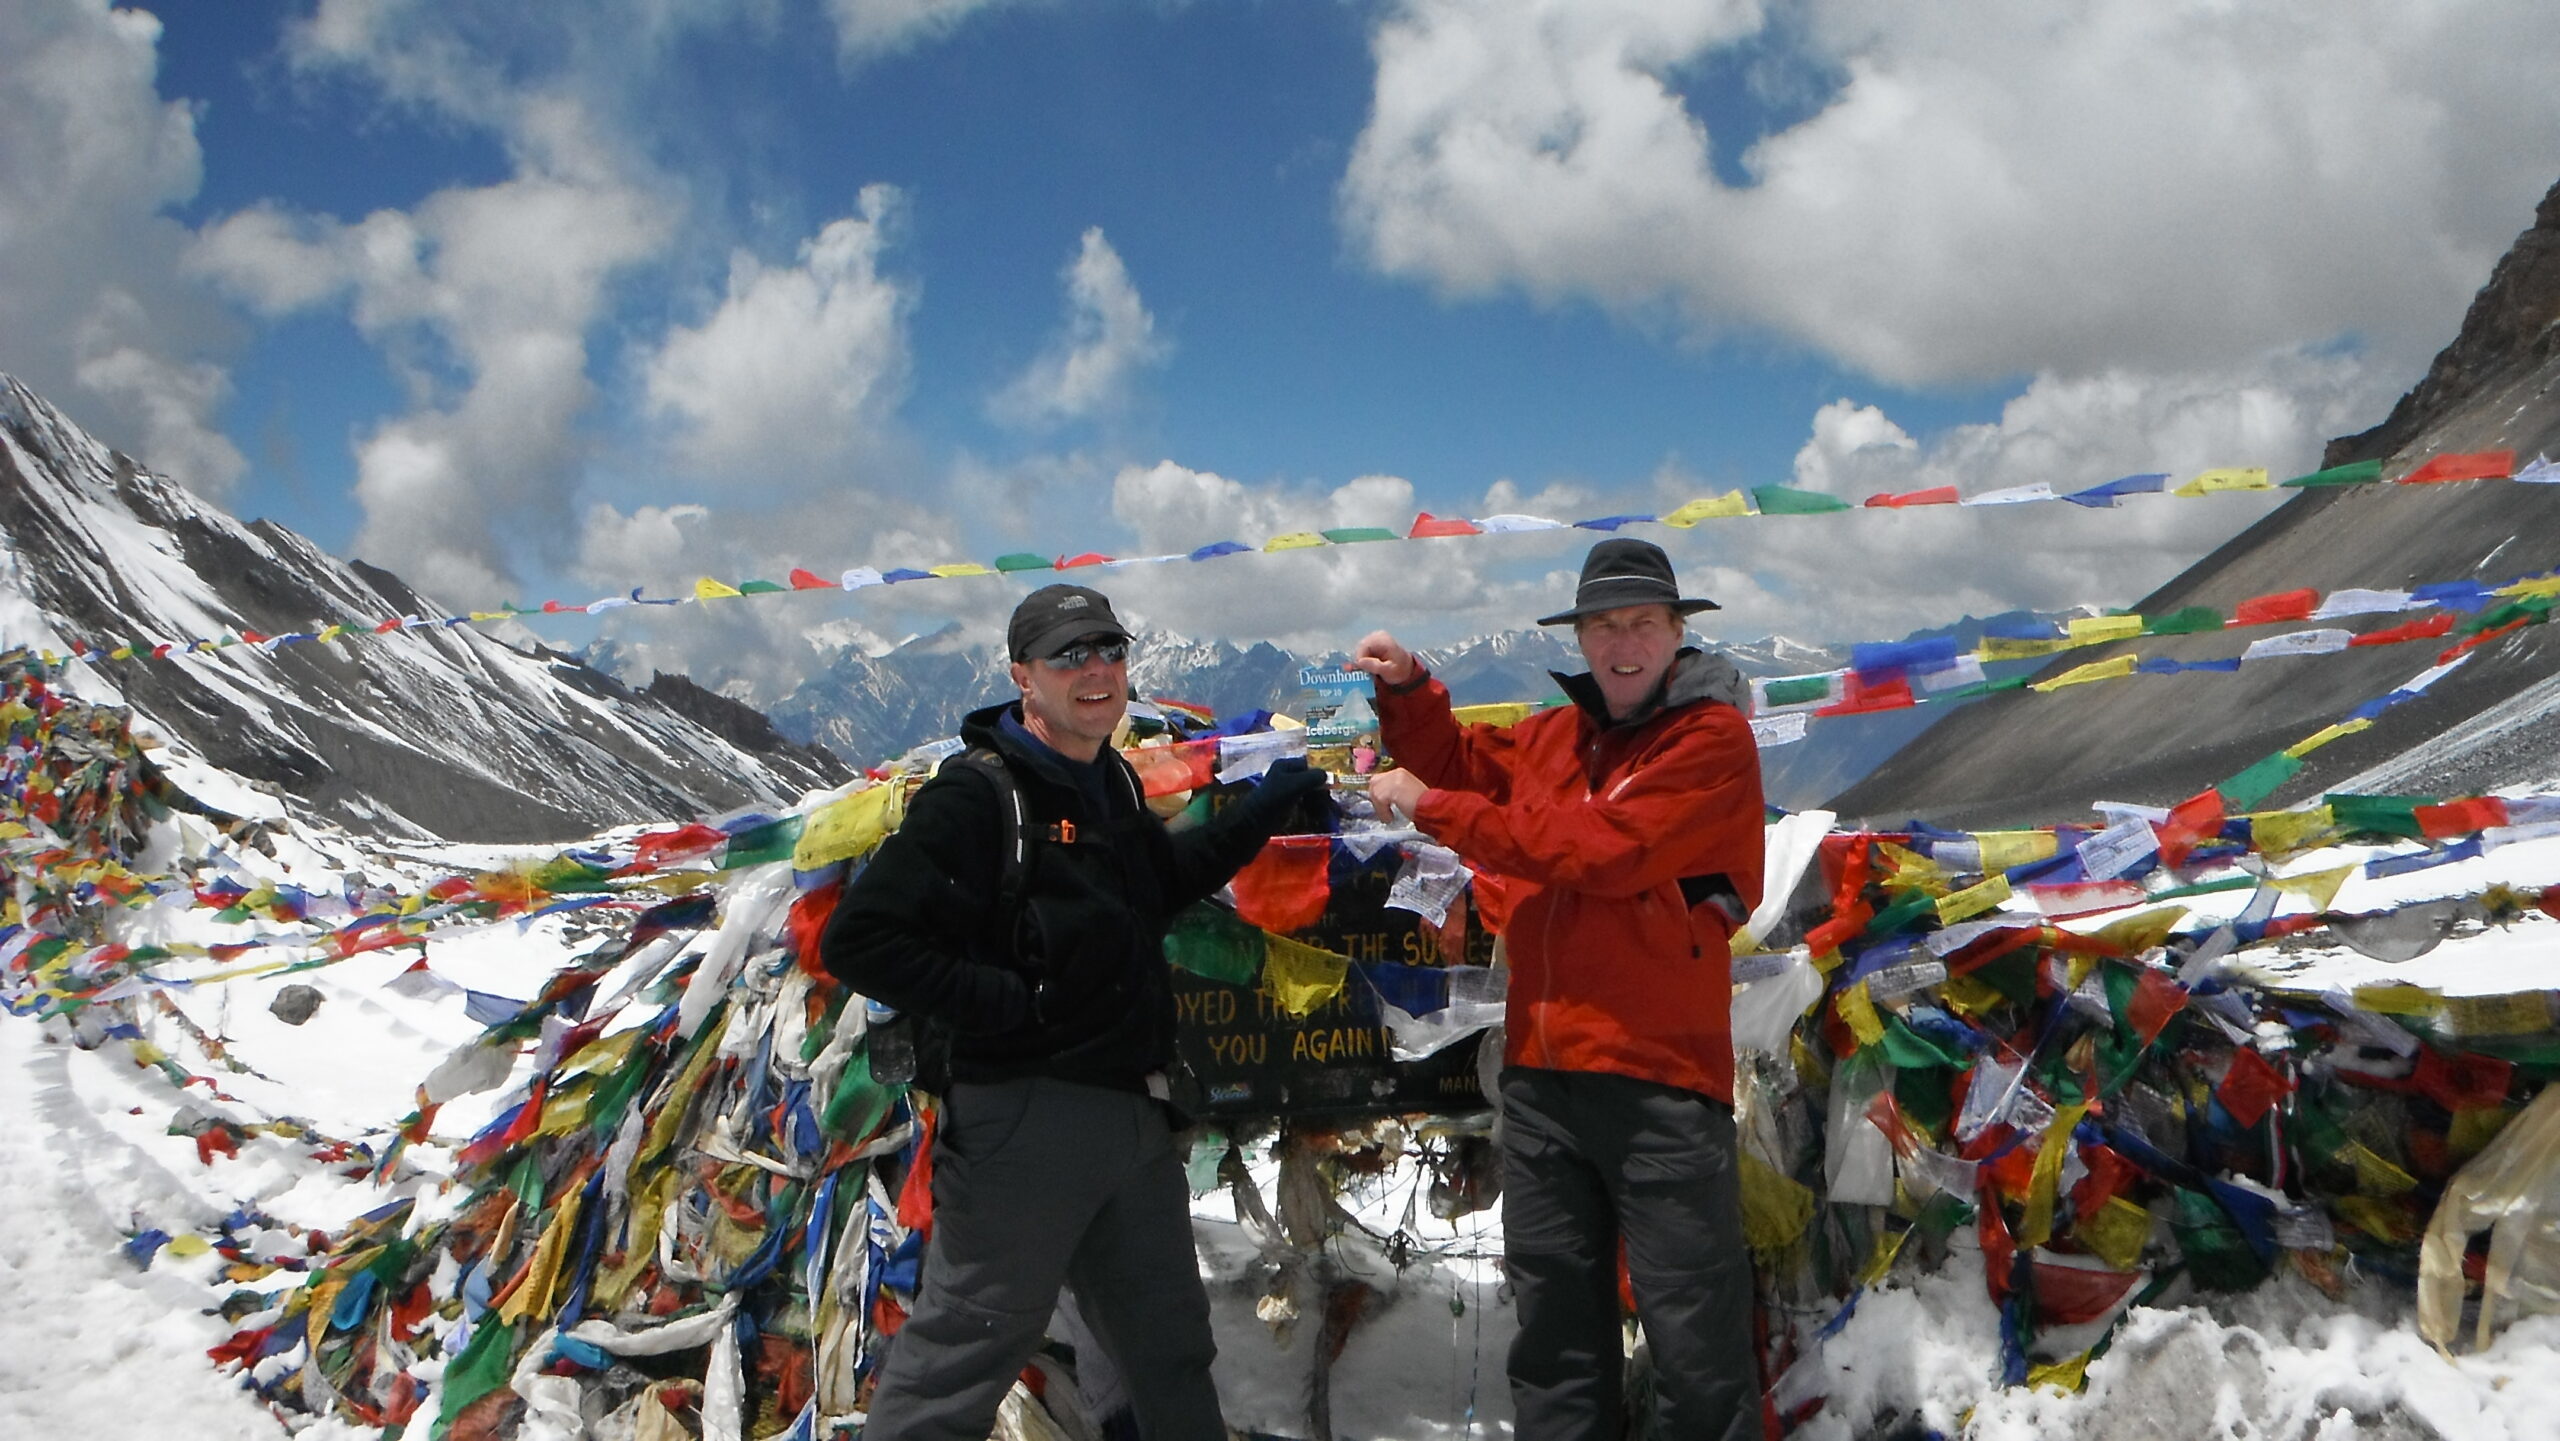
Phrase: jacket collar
x=1695 y=676
x=985 y=727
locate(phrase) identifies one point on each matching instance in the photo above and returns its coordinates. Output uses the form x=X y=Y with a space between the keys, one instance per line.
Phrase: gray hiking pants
x=1590 y=1160
x=1038 y=1183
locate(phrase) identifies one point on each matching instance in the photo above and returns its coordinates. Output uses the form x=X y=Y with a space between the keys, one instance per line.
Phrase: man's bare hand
x=1398 y=791
x=1385 y=657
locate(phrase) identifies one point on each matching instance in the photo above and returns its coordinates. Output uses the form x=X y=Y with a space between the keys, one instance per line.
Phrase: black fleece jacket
x=1079 y=991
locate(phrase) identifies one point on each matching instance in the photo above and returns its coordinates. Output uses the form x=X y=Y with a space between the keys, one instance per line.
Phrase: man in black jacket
x=1054 y=1160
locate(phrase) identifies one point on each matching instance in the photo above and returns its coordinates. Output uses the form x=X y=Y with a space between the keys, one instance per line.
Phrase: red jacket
x=1593 y=827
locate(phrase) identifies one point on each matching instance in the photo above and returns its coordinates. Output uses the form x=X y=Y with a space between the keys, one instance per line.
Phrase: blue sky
x=556 y=300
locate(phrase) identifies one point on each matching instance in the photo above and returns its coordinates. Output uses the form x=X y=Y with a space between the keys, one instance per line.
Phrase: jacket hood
x=1695 y=676
x=985 y=727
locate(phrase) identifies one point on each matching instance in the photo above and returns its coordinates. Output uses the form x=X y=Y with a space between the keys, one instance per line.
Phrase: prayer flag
x=2191 y=823
x=2325 y=735
x=2251 y=1087
x=2261 y=780
x=1293 y=540
x=2190 y=620
x=807 y=580
x=1506 y=524
x=2460 y=818
x=2214 y=482
x=2094 y=629
x=2156 y=1000
x=1285 y=887
x=2280 y=832
x=1301 y=977
x=709 y=589
x=1354 y=534
x=2110 y=669
x=1078 y=562
x=1218 y=548
x=1023 y=560
x=1731 y=503
x=959 y=569
x=2361 y=472
x=1611 y=522
x=2282 y=605
x=1781 y=500
x=1935 y=495
x=2478 y=465
x=1427 y=526
x=2103 y=497
x=2013 y=495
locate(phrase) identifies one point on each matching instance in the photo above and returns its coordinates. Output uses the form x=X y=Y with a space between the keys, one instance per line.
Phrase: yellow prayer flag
x=188 y=1244
x=1970 y=995
x=1908 y=870
x=2474 y=1127
x=1294 y=540
x=2116 y=1233
x=2142 y=930
x=1718 y=507
x=505 y=614
x=958 y=569
x=1973 y=900
x=1301 y=977
x=1858 y=1009
x=2069 y=1375
x=2092 y=629
x=2524 y=1013
x=2384 y=1220
x=2376 y=1175
x=2004 y=849
x=2213 y=482
x=709 y=589
x=2397 y=998
x=853 y=826
x=2324 y=735
x=1880 y=1261
x=2113 y=668
x=2036 y=1226
x=1775 y=1207
x=2317 y=888
x=603 y=1053
x=2278 y=833
x=533 y=1295
x=2001 y=647
x=1497 y=714
x=2537 y=585
x=565 y=1111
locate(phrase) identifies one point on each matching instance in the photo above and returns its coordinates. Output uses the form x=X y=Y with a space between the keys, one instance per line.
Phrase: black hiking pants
x=1039 y=1183
x=1591 y=1160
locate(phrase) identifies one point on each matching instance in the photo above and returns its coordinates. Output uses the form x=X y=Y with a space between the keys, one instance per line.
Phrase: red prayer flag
x=2191 y=823
x=1935 y=495
x=1170 y=770
x=2281 y=605
x=2156 y=998
x=2109 y=1174
x=1998 y=1250
x=1285 y=888
x=2478 y=465
x=2251 y=1087
x=1427 y=526
x=808 y=919
x=809 y=580
x=657 y=848
x=2461 y=818
x=2441 y=623
x=1859 y=697
x=1090 y=557
x=915 y=1196
x=2071 y=1296
x=2462 y=1082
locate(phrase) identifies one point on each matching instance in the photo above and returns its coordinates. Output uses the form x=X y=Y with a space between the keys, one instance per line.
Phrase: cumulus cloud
x=92 y=310
x=869 y=29
x=798 y=362
x=482 y=298
x=1088 y=368
x=1989 y=191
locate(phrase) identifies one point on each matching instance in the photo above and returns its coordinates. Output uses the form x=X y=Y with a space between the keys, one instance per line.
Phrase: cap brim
x=1058 y=637
x=1686 y=605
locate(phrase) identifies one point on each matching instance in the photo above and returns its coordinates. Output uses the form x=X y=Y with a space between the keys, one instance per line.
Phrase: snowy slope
x=441 y=731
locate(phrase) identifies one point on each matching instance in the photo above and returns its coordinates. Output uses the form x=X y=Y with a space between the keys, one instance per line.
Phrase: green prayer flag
x=2362 y=472
x=2261 y=780
x=484 y=1365
x=1780 y=500
x=1024 y=560
x=858 y=1103
x=762 y=844
x=566 y=875
x=1907 y=1047
x=1208 y=941
x=761 y=587
x=1901 y=914
x=1353 y=534
x=1797 y=692
x=2189 y=621
x=2379 y=815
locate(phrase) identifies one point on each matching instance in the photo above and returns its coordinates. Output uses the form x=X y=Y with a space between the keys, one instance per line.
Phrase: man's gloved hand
x=1275 y=798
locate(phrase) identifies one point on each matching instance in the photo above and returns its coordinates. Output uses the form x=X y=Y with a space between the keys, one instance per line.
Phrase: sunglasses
x=1084 y=652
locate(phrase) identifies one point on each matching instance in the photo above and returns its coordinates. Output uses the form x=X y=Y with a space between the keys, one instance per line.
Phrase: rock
x=294 y=1004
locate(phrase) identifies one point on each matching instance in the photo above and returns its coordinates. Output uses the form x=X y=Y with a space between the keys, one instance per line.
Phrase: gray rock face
x=2026 y=759
x=444 y=732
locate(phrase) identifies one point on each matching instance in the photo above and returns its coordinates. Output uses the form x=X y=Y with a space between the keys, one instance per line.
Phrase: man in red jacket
x=1628 y=828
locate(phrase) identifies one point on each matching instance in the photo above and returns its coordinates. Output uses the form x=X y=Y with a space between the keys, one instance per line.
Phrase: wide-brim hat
x=1055 y=617
x=1622 y=572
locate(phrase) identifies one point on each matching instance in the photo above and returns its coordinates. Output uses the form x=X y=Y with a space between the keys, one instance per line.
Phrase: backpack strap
x=1013 y=849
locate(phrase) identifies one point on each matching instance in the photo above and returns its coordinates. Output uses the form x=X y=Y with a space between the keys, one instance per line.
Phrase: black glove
x=1270 y=804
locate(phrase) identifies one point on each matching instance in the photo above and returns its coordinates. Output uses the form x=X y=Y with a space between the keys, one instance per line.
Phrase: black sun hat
x=1623 y=572
x=1055 y=617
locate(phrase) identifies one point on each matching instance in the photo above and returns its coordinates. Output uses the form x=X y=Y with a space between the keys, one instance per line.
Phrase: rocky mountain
x=2157 y=739
x=431 y=731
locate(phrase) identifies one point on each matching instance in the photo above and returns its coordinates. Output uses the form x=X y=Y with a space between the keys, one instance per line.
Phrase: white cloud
x=92 y=310
x=1991 y=191
x=1088 y=368
x=482 y=299
x=869 y=29
x=798 y=363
